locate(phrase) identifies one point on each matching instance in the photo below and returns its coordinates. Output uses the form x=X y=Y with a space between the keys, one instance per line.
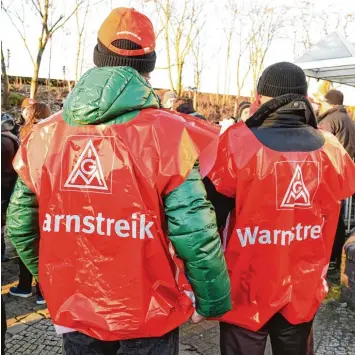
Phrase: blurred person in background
x=26 y=103
x=316 y=105
x=9 y=146
x=226 y=121
x=335 y=119
x=32 y=114
x=244 y=111
x=186 y=105
x=169 y=99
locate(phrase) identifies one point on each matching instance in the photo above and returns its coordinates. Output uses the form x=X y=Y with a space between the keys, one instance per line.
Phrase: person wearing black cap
x=282 y=179
x=244 y=111
x=336 y=120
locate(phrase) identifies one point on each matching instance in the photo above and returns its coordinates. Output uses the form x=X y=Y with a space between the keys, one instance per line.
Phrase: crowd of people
x=108 y=208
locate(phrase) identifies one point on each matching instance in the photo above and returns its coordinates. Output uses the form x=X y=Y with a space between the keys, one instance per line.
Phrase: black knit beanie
x=103 y=57
x=281 y=79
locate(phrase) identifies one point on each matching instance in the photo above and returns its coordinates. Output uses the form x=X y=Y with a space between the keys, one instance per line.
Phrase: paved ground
x=31 y=331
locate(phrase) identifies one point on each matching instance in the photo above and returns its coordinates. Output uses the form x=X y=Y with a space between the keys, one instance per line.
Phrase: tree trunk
x=226 y=74
x=235 y=111
x=5 y=82
x=167 y=44
x=69 y=85
x=34 y=80
x=77 y=59
x=179 y=79
x=82 y=57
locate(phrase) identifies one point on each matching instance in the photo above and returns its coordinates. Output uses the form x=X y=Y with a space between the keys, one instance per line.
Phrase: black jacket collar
x=289 y=110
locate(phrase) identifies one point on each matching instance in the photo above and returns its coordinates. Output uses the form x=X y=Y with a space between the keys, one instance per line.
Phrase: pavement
x=30 y=330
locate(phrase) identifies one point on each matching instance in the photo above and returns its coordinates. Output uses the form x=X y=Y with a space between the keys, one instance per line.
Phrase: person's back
x=336 y=120
x=119 y=225
x=287 y=179
x=9 y=146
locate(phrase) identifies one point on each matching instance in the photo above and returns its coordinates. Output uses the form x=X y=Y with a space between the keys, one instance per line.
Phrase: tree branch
x=23 y=37
x=57 y=25
x=37 y=7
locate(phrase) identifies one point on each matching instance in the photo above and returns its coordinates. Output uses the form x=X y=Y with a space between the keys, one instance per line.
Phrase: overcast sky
x=64 y=43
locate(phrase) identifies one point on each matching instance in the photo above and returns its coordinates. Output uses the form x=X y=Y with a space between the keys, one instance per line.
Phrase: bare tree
x=5 y=82
x=229 y=31
x=265 y=26
x=83 y=8
x=43 y=10
x=310 y=25
x=80 y=29
x=181 y=27
x=243 y=64
x=199 y=64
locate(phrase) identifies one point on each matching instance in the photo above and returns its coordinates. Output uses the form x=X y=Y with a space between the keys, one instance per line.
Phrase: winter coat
x=338 y=122
x=287 y=179
x=9 y=146
x=113 y=138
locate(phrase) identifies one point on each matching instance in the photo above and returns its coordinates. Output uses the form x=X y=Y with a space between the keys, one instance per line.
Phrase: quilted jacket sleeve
x=23 y=225
x=193 y=231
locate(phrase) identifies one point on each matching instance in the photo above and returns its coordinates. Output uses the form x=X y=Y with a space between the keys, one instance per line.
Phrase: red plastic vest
x=279 y=240
x=107 y=268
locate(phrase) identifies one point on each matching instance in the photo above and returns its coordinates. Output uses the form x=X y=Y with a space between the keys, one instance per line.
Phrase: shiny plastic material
x=106 y=266
x=208 y=155
x=281 y=235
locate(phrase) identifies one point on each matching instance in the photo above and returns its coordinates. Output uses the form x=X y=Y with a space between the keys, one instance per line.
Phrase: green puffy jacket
x=116 y=95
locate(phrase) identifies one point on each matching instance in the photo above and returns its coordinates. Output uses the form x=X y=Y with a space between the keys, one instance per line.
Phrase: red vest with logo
x=106 y=266
x=279 y=240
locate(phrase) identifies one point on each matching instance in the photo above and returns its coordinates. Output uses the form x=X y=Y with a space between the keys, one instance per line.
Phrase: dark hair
x=184 y=105
x=334 y=97
x=242 y=106
x=35 y=113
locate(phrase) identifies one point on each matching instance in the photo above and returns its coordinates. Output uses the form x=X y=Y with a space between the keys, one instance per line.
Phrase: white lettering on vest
x=57 y=218
x=145 y=228
x=265 y=237
x=247 y=236
x=47 y=223
x=68 y=223
x=90 y=225
x=134 y=226
x=100 y=225
x=99 y=220
x=316 y=232
x=122 y=225
x=252 y=236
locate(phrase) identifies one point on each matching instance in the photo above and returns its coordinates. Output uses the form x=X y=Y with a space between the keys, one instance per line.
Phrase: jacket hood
x=108 y=95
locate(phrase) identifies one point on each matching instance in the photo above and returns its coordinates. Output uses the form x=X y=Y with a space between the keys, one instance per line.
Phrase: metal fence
x=350 y=214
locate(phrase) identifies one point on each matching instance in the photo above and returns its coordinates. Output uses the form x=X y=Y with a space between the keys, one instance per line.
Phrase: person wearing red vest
x=285 y=179
x=111 y=203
